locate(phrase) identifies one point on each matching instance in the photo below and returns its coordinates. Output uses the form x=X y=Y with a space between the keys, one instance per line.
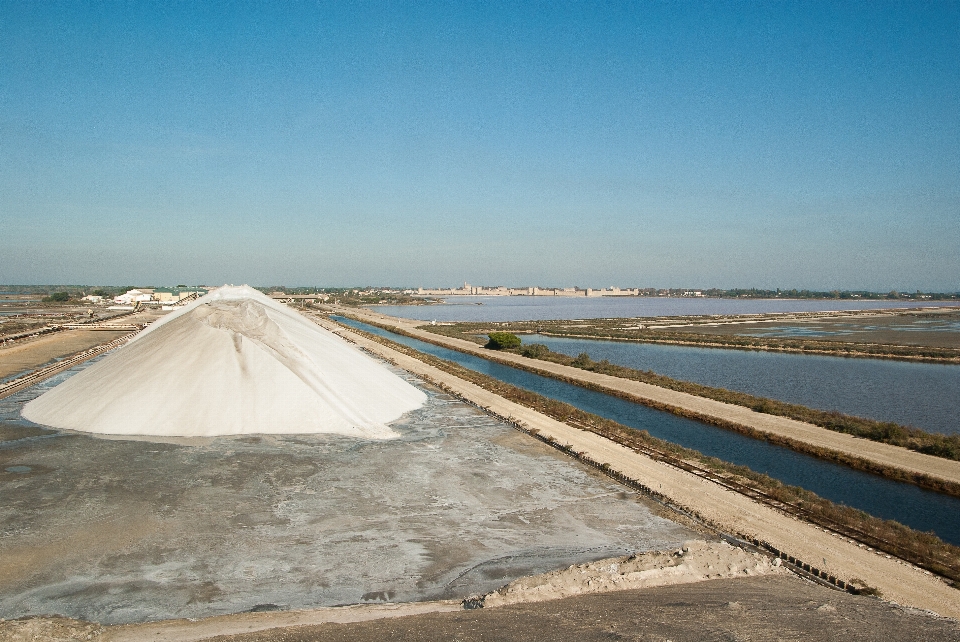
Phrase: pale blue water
x=531 y=308
x=917 y=508
x=924 y=395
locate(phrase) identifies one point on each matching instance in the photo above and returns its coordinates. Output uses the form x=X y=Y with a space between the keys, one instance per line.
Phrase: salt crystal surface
x=232 y=362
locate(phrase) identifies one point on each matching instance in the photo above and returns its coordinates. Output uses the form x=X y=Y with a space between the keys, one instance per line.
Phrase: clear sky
x=660 y=144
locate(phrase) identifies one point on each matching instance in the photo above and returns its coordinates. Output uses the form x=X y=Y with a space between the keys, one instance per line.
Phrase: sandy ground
x=752 y=609
x=30 y=354
x=25 y=356
x=756 y=609
x=731 y=512
x=695 y=561
x=884 y=454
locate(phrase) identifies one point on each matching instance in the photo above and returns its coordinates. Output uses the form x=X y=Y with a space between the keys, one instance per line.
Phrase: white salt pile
x=232 y=362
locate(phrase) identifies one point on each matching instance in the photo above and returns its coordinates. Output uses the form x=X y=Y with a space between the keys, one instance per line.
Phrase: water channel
x=924 y=395
x=920 y=509
x=529 y=308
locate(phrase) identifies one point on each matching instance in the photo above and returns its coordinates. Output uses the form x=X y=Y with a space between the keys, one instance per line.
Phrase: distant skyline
x=653 y=144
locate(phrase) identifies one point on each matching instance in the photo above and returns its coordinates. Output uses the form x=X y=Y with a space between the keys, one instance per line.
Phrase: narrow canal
x=920 y=509
x=923 y=395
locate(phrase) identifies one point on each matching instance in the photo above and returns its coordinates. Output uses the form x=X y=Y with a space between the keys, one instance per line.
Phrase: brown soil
x=769 y=608
x=25 y=356
x=30 y=354
x=774 y=607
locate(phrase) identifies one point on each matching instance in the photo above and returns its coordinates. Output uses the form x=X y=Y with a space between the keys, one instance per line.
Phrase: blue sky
x=660 y=144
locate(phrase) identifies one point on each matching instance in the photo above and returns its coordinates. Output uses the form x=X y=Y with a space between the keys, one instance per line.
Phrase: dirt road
x=29 y=354
x=729 y=511
x=879 y=453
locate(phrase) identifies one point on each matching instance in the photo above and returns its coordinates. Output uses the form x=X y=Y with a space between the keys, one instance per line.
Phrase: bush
x=583 y=360
x=535 y=351
x=502 y=341
x=58 y=297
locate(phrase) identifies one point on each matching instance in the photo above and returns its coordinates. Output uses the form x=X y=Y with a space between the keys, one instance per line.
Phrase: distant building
x=173 y=295
x=501 y=290
x=133 y=296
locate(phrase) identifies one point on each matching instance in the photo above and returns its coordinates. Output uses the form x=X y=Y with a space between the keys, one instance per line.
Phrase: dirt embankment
x=29 y=355
x=883 y=455
x=765 y=606
x=728 y=511
x=26 y=355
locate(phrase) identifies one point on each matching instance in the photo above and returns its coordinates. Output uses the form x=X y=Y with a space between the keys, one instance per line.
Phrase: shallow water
x=925 y=395
x=531 y=308
x=920 y=509
x=123 y=531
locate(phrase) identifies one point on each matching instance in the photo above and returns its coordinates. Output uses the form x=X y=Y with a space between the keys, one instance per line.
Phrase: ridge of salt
x=232 y=362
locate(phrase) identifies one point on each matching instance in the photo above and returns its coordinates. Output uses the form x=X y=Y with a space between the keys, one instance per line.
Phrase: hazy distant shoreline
x=540 y=308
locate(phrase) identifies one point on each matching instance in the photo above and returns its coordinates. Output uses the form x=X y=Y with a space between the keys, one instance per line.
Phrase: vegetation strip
x=925 y=550
x=945 y=446
x=922 y=480
x=606 y=330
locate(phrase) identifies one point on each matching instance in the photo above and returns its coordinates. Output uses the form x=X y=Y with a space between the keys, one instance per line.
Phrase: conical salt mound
x=232 y=362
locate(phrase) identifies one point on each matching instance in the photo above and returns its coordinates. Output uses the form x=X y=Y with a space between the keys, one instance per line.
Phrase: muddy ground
x=122 y=531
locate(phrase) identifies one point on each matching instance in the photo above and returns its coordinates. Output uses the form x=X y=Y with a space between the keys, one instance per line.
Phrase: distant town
x=421 y=294
x=131 y=296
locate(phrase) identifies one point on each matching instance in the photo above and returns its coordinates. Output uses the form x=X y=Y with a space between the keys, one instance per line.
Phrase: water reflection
x=925 y=395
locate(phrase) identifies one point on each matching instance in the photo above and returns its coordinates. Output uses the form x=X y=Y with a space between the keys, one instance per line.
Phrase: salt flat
x=125 y=531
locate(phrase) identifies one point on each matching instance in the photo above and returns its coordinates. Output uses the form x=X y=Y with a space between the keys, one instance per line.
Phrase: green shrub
x=58 y=297
x=502 y=341
x=535 y=351
x=583 y=360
